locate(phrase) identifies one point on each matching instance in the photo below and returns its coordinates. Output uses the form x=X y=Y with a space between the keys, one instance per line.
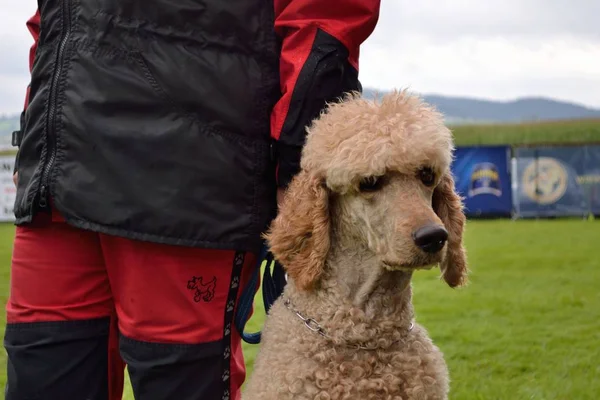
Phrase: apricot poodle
x=374 y=202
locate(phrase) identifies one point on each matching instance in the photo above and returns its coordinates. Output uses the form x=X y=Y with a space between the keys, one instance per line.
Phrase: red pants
x=173 y=306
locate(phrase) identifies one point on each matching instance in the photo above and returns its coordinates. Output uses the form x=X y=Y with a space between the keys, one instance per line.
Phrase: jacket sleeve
x=320 y=43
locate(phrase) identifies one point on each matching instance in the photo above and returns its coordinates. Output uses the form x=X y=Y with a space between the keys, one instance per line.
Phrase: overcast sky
x=497 y=49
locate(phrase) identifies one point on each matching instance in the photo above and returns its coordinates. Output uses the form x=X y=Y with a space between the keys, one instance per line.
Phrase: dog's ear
x=447 y=204
x=299 y=235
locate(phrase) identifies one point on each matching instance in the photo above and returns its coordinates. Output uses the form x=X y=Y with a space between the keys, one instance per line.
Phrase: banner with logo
x=7 y=188
x=557 y=181
x=483 y=178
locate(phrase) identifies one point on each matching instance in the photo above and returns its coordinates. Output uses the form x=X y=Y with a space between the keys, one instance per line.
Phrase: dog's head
x=376 y=175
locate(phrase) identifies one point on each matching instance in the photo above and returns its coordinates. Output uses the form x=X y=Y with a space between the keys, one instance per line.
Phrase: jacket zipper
x=51 y=117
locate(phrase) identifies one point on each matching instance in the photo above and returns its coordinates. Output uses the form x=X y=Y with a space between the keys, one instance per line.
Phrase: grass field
x=552 y=132
x=528 y=325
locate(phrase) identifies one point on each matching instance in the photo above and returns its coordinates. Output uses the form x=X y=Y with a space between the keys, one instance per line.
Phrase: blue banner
x=557 y=181
x=482 y=177
x=589 y=179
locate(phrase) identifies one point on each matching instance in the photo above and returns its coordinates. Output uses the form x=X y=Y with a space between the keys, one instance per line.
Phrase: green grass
x=553 y=132
x=527 y=326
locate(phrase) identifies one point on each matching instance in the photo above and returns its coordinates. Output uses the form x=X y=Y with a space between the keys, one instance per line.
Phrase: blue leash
x=272 y=286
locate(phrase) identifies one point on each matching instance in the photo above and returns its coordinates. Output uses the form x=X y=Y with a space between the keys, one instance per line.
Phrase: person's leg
x=175 y=307
x=58 y=317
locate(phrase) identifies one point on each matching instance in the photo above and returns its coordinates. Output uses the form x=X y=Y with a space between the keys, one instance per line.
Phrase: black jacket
x=174 y=122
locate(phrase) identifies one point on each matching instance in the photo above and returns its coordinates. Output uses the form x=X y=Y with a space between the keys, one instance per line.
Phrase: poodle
x=374 y=202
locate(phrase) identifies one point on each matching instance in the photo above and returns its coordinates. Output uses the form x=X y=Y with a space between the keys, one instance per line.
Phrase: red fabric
x=33 y=24
x=296 y=22
x=63 y=273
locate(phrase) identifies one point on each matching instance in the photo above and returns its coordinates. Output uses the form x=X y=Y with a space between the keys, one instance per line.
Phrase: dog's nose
x=430 y=238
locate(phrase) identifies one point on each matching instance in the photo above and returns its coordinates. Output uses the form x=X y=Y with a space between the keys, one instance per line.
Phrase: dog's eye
x=427 y=176
x=371 y=184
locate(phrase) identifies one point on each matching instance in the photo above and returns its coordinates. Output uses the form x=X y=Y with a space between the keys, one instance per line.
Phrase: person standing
x=155 y=139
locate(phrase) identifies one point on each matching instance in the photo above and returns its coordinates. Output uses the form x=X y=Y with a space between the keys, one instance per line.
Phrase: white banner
x=7 y=188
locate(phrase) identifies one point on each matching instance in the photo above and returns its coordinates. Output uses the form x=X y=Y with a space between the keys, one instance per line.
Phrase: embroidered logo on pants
x=202 y=291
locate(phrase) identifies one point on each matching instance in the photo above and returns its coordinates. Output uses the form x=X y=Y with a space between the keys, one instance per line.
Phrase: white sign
x=8 y=191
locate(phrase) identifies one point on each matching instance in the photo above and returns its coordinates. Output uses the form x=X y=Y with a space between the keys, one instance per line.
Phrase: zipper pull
x=43 y=202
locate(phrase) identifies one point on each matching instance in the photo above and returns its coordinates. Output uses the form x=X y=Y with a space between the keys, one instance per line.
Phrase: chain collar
x=314 y=326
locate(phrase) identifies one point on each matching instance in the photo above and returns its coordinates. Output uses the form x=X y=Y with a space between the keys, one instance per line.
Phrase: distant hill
x=461 y=110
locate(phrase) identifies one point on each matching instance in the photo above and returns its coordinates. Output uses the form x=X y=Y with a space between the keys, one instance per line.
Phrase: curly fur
x=350 y=257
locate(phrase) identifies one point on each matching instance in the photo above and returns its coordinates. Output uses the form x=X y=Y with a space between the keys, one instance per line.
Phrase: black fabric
x=57 y=360
x=174 y=371
x=148 y=120
x=17 y=135
x=325 y=77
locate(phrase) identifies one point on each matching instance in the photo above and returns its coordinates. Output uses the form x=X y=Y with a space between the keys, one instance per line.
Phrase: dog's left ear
x=447 y=204
x=299 y=235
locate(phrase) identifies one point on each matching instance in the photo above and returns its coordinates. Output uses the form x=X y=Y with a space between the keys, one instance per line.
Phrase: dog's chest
x=377 y=375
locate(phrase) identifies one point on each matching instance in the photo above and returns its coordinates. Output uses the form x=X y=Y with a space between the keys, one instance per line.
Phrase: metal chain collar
x=314 y=326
